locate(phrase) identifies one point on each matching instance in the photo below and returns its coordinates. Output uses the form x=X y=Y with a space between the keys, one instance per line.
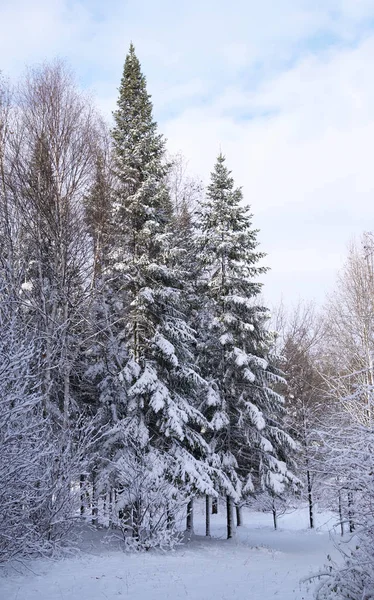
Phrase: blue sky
x=284 y=87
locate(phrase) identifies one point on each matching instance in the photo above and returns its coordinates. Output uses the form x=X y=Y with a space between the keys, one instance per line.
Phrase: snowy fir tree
x=249 y=441
x=151 y=384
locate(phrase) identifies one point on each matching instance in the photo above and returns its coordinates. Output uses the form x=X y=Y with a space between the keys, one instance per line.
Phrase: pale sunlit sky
x=284 y=87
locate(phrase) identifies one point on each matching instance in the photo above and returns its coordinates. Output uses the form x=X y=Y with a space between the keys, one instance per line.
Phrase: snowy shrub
x=354 y=581
x=276 y=505
x=25 y=450
x=38 y=501
x=352 y=459
x=148 y=502
x=22 y=489
x=69 y=457
x=38 y=463
x=162 y=539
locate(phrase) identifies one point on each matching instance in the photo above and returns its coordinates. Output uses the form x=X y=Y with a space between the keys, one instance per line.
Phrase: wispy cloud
x=283 y=87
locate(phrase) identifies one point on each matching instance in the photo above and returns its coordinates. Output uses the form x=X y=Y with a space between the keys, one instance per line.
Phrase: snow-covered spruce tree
x=250 y=444
x=150 y=385
x=184 y=258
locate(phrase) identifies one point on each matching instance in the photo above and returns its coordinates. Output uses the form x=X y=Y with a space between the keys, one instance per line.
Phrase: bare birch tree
x=52 y=164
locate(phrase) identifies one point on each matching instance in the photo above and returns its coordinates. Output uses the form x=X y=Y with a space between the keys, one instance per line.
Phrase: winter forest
x=142 y=374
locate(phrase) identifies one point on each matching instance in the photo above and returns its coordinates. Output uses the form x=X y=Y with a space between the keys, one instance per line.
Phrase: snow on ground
x=260 y=564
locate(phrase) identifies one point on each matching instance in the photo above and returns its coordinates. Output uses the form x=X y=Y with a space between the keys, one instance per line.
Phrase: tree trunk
x=189 y=520
x=137 y=519
x=230 y=518
x=66 y=408
x=207 y=515
x=82 y=486
x=126 y=517
x=310 y=499
x=341 y=513
x=350 y=512
x=275 y=520
x=66 y=405
x=170 y=520
x=214 y=506
x=95 y=500
x=239 y=516
x=105 y=506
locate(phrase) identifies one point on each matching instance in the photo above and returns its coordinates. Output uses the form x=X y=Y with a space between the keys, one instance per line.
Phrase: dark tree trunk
x=310 y=499
x=207 y=515
x=230 y=518
x=350 y=512
x=95 y=500
x=189 y=519
x=275 y=520
x=105 y=505
x=137 y=519
x=83 y=494
x=214 y=506
x=239 y=516
x=341 y=513
x=110 y=502
x=170 y=522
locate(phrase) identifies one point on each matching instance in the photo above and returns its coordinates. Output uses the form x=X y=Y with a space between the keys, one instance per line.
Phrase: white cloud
x=306 y=167
x=205 y=38
x=283 y=87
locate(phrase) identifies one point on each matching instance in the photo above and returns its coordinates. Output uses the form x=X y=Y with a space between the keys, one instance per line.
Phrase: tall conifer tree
x=235 y=348
x=156 y=405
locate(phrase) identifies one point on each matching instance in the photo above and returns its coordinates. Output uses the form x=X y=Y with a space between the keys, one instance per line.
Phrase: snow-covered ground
x=260 y=564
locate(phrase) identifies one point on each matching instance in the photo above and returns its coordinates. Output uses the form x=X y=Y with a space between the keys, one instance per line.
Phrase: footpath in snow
x=260 y=564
